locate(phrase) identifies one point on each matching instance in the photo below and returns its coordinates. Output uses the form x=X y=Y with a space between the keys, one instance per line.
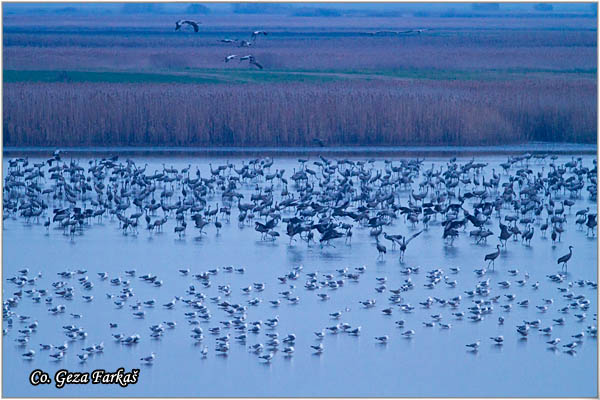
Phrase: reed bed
x=294 y=114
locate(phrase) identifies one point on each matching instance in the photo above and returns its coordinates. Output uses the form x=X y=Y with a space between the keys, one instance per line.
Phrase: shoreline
x=534 y=147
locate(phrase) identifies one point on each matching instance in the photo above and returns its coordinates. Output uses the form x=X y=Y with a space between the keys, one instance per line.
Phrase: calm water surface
x=433 y=363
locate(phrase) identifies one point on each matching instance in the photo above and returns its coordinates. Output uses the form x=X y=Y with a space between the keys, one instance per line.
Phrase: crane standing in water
x=565 y=259
x=492 y=257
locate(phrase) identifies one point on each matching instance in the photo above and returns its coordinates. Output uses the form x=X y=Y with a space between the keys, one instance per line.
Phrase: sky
x=224 y=8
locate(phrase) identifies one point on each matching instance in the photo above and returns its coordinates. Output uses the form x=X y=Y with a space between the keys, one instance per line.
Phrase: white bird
x=570 y=346
x=255 y=34
x=289 y=338
x=498 y=339
x=29 y=354
x=267 y=357
x=149 y=359
x=257 y=348
x=355 y=331
x=58 y=356
x=474 y=346
x=554 y=342
x=88 y=349
x=62 y=347
x=318 y=349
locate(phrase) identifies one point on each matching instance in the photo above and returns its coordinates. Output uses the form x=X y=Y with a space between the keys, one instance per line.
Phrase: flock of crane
x=326 y=197
x=348 y=194
x=255 y=34
x=240 y=43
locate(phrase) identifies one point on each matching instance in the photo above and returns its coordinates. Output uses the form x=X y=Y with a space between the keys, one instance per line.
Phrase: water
x=338 y=151
x=433 y=363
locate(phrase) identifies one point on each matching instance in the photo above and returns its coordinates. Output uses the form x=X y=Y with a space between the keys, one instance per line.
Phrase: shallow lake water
x=434 y=362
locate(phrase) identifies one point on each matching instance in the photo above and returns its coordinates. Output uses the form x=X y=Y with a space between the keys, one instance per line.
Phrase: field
x=134 y=81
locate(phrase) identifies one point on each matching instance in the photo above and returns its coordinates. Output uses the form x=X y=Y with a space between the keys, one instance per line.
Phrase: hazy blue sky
x=219 y=8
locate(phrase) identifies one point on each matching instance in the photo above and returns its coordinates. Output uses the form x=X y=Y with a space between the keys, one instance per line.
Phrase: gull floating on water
x=498 y=339
x=318 y=348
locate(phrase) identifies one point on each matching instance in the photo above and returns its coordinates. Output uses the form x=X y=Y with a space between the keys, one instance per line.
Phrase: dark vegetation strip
x=104 y=77
x=206 y=76
x=197 y=77
x=303 y=151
